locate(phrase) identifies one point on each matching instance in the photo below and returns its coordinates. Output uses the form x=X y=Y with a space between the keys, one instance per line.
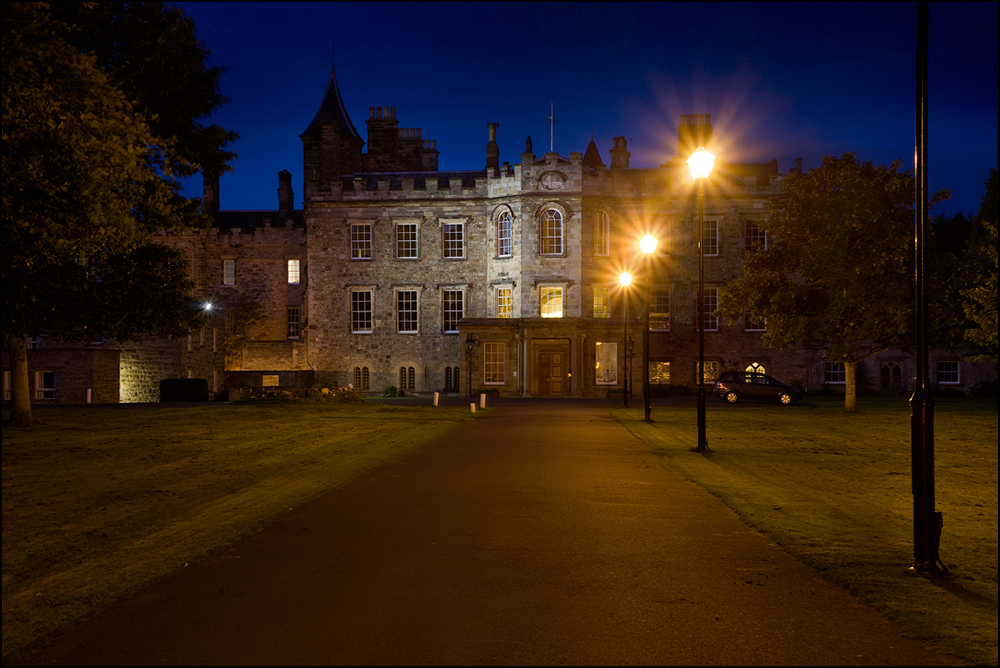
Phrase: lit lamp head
x=700 y=163
x=625 y=279
x=207 y=306
x=648 y=244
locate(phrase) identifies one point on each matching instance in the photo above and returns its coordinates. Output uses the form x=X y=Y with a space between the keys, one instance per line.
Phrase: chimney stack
x=286 y=198
x=492 y=150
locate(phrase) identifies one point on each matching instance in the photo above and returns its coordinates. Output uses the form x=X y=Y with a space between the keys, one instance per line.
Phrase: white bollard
x=482 y=401
x=88 y=395
x=436 y=398
x=472 y=406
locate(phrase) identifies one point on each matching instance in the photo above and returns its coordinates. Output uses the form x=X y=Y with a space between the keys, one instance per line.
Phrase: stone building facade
x=503 y=277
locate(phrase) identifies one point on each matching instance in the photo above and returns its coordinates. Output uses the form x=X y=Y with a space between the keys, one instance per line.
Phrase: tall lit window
x=606 y=363
x=503 y=234
x=551 y=301
x=504 y=303
x=229 y=272
x=361 y=311
x=659 y=309
x=454 y=309
x=406 y=241
x=659 y=373
x=710 y=240
x=406 y=311
x=602 y=234
x=710 y=306
x=494 y=363
x=293 y=272
x=711 y=371
x=361 y=241
x=294 y=329
x=754 y=238
x=551 y=233
x=602 y=305
x=453 y=239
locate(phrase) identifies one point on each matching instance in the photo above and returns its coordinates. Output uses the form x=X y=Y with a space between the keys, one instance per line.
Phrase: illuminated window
x=406 y=241
x=551 y=301
x=504 y=303
x=361 y=241
x=503 y=234
x=711 y=371
x=453 y=302
x=755 y=367
x=551 y=233
x=361 y=311
x=293 y=272
x=659 y=309
x=453 y=239
x=659 y=373
x=602 y=305
x=494 y=363
x=406 y=311
x=229 y=272
x=293 y=322
x=602 y=234
x=606 y=363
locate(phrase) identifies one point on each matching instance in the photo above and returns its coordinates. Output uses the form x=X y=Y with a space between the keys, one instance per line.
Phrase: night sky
x=780 y=80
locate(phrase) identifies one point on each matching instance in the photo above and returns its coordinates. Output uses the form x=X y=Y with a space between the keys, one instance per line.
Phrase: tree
x=838 y=270
x=85 y=186
x=980 y=297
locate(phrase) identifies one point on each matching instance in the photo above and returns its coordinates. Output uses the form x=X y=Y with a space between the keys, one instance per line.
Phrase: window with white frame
x=834 y=373
x=948 y=372
x=505 y=303
x=710 y=304
x=293 y=272
x=710 y=239
x=406 y=241
x=45 y=385
x=504 y=234
x=494 y=362
x=602 y=233
x=34 y=342
x=754 y=238
x=659 y=309
x=752 y=323
x=361 y=311
x=294 y=328
x=229 y=272
x=550 y=299
x=453 y=240
x=606 y=363
x=602 y=303
x=659 y=373
x=550 y=233
x=453 y=306
x=361 y=241
x=406 y=311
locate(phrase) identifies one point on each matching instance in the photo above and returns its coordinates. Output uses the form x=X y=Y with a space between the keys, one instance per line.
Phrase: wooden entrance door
x=550 y=371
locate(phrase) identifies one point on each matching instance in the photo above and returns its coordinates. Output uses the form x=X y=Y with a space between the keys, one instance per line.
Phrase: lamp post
x=700 y=164
x=470 y=343
x=648 y=245
x=625 y=279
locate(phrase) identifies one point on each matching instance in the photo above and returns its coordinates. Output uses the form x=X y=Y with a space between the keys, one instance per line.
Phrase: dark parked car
x=733 y=386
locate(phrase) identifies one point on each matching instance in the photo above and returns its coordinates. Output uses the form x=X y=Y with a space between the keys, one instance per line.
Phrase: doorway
x=551 y=370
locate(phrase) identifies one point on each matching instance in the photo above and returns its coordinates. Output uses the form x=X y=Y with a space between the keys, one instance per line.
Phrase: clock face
x=552 y=180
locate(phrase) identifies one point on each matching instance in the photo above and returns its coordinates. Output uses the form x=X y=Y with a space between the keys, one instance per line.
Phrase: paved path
x=540 y=533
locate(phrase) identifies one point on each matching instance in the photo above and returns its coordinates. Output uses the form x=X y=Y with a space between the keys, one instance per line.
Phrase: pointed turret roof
x=331 y=110
x=592 y=157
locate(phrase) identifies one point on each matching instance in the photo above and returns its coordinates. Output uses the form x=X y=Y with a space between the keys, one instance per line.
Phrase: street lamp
x=648 y=245
x=470 y=344
x=700 y=164
x=625 y=279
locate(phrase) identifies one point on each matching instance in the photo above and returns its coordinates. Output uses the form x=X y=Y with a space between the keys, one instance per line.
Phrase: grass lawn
x=833 y=489
x=100 y=501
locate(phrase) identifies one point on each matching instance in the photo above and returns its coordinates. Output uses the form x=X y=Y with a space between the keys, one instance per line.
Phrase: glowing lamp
x=700 y=163
x=648 y=244
x=625 y=279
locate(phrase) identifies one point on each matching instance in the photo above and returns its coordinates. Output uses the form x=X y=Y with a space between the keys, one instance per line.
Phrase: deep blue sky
x=781 y=80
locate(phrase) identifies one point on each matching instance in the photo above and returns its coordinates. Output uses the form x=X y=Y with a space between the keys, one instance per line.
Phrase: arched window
x=451 y=379
x=550 y=233
x=755 y=367
x=407 y=378
x=503 y=234
x=602 y=234
x=361 y=378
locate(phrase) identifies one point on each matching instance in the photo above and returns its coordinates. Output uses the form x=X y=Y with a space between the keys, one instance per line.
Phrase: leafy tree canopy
x=980 y=295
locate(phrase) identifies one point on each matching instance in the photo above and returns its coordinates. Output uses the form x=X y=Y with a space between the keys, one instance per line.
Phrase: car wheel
x=731 y=397
x=785 y=398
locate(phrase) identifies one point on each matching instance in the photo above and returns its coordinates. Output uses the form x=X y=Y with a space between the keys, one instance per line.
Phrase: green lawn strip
x=99 y=502
x=833 y=489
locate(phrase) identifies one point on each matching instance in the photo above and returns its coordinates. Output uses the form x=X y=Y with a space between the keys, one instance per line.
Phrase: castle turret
x=619 y=153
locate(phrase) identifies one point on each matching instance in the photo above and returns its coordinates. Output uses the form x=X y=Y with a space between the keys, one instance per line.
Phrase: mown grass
x=100 y=501
x=833 y=489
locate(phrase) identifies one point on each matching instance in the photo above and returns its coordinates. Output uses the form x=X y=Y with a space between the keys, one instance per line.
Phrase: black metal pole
x=926 y=522
x=625 y=348
x=645 y=343
x=702 y=438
